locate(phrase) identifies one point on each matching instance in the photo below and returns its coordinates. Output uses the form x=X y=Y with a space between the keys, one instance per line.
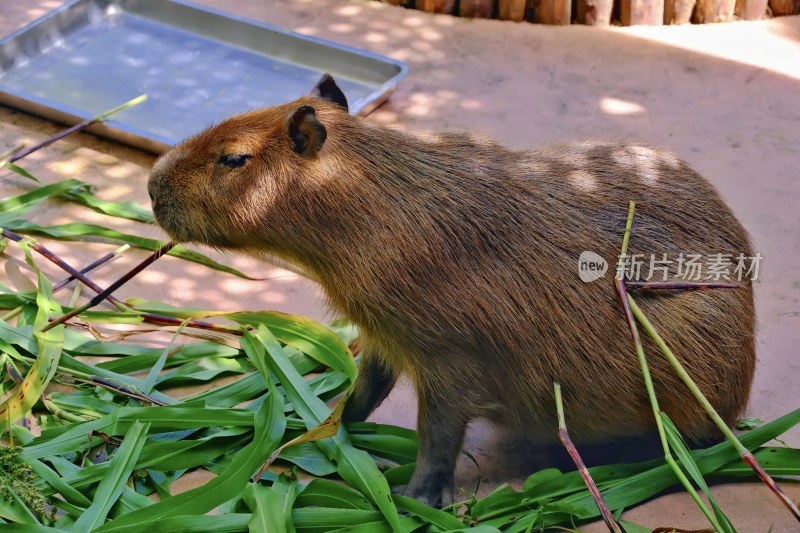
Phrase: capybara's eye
x=234 y=160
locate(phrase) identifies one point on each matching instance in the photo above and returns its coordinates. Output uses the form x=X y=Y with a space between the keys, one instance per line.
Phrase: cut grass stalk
x=111 y=288
x=60 y=413
x=563 y=434
x=79 y=275
x=91 y=266
x=54 y=258
x=14 y=149
x=77 y=127
x=637 y=341
x=63 y=283
x=745 y=454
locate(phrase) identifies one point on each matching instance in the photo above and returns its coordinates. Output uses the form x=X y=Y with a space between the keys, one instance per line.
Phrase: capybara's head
x=216 y=187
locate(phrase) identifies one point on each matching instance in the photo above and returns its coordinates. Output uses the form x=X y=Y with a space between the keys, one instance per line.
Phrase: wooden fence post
x=595 y=12
x=479 y=9
x=512 y=10
x=552 y=11
x=784 y=7
x=751 y=9
x=678 y=11
x=714 y=11
x=646 y=12
x=436 y=6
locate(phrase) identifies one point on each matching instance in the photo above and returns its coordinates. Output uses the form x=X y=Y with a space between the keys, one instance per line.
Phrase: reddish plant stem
x=63 y=265
x=47 y=142
x=88 y=268
x=79 y=275
x=105 y=438
x=622 y=290
x=608 y=517
x=748 y=458
x=111 y=288
x=164 y=320
x=563 y=434
x=679 y=285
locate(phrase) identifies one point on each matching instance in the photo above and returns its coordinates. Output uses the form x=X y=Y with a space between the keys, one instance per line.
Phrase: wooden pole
x=751 y=9
x=678 y=11
x=512 y=10
x=784 y=7
x=437 y=6
x=552 y=11
x=479 y=9
x=595 y=12
x=714 y=11
x=642 y=12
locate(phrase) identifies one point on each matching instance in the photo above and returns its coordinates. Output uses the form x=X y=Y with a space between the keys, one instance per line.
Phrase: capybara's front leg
x=441 y=434
x=375 y=381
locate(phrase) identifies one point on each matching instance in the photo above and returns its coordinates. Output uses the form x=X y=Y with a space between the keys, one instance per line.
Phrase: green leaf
x=112 y=484
x=267 y=510
x=19 y=170
x=683 y=454
x=128 y=210
x=748 y=423
x=16 y=206
x=23 y=396
x=355 y=466
x=78 y=231
x=227 y=523
x=270 y=425
x=324 y=493
x=631 y=527
x=272 y=506
x=304 y=334
x=429 y=514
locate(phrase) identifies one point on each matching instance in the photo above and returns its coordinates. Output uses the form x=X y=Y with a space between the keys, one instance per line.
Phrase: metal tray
x=196 y=65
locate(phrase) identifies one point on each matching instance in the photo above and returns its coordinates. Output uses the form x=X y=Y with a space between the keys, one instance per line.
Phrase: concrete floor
x=725 y=97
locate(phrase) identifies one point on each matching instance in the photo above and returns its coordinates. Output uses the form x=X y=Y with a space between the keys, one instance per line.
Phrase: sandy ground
x=724 y=97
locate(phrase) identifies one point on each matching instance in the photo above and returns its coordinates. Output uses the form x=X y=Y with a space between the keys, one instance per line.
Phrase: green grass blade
x=776 y=461
x=433 y=516
x=19 y=170
x=306 y=335
x=270 y=424
x=50 y=344
x=286 y=487
x=227 y=523
x=13 y=207
x=324 y=493
x=78 y=231
x=683 y=454
x=111 y=486
x=30 y=528
x=128 y=210
x=355 y=466
x=267 y=510
x=122 y=107
x=58 y=484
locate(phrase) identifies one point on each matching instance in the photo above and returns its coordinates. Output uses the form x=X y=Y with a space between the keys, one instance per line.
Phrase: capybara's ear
x=306 y=133
x=327 y=89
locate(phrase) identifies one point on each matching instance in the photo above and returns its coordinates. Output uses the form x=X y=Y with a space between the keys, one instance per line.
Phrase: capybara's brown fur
x=458 y=260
